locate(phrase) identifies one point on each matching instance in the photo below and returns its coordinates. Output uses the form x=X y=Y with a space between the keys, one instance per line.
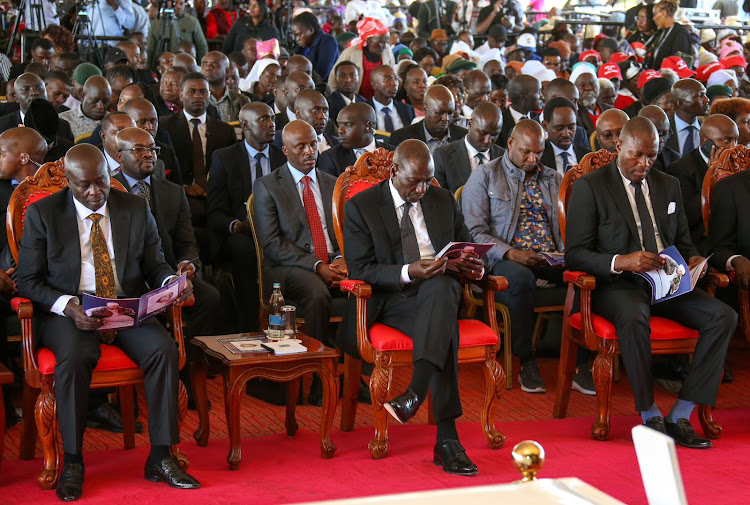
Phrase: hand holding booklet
x=119 y=313
x=675 y=278
x=454 y=251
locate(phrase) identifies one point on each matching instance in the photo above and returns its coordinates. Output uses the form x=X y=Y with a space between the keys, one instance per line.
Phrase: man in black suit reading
x=559 y=121
x=116 y=238
x=234 y=172
x=619 y=218
x=455 y=162
x=412 y=291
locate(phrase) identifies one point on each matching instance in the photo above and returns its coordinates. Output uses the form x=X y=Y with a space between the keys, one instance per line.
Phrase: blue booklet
x=675 y=279
x=117 y=313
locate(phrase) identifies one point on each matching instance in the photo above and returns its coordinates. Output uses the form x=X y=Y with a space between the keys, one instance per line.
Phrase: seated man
x=391 y=114
x=214 y=66
x=608 y=129
x=455 y=162
x=559 y=121
x=619 y=218
x=722 y=133
x=412 y=291
x=95 y=98
x=113 y=123
x=357 y=135
x=311 y=107
x=69 y=222
x=511 y=202
x=295 y=83
x=659 y=118
x=347 y=81
x=29 y=87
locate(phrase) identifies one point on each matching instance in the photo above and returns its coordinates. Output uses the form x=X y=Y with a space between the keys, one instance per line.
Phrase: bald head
x=660 y=120
x=561 y=88
x=439 y=106
x=525 y=93
x=128 y=93
x=637 y=149
x=298 y=63
x=689 y=99
x=300 y=145
x=29 y=87
x=294 y=84
x=608 y=128
x=214 y=66
x=186 y=61
x=258 y=123
x=413 y=170
x=312 y=107
x=143 y=113
x=95 y=97
x=88 y=176
x=132 y=50
x=638 y=129
x=357 y=123
x=526 y=145
x=720 y=130
x=485 y=126
x=23 y=151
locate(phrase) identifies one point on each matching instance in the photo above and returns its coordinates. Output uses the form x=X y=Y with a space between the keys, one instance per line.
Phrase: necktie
x=409 y=244
x=145 y=190
x=689 y=144
x=105 y=277
x=259 y=165
x=565 y=161
x=647 y=226
x=480 y=158
x=313 y=219
x=199 y=159
x=387 y=121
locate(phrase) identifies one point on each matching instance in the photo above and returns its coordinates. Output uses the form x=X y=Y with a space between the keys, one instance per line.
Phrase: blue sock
x=653 y=411
x=681 y=410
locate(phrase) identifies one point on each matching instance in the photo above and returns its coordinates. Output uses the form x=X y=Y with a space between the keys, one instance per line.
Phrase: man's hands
x=526 y=258
x=7 y=286
x=186 y=267
x=333 y=272
x=186 y=293
x=694 y=261
x=195 y=190
x=79 y=317
x=467 y=264
x=741 y=267
x=640 y=261
x=427 y=269
x=243 y=227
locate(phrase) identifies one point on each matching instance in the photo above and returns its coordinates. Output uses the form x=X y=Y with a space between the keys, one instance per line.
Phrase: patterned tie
x=313 y=219
x=105 y=277
x=409 y=244
x=647 y=226
x=689 y=144
x=480 y=158
x=258 y=165
x=144 y=190
x=387 y=120
x=566 y=161
x=199 y=159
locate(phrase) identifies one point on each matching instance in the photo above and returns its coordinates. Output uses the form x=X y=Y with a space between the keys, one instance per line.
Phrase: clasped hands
x=332 y=273
x=465 y=264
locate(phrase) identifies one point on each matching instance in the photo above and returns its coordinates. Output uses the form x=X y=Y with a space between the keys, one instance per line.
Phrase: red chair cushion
x=360 y=185
x=472 y=333
x=112 y=358
x=661 y=329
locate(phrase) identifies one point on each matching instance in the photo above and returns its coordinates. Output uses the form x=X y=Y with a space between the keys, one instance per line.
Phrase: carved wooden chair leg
x=380 y=384
x=711 y=429
x=603 y=384
x=494 y=377
x=181 y=416
x=28 y=425
x=127 y=410
x=565 y=372
x=46 y=422
x=292 y=394
x=180 y=457
x=352 y=378
x=507 y=348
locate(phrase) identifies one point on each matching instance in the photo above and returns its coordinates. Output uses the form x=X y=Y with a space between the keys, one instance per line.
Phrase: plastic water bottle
x=276 y=323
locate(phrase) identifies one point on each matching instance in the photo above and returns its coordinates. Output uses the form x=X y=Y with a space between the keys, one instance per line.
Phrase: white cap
x=582 y=68
x=527 y=41
x=720 y=77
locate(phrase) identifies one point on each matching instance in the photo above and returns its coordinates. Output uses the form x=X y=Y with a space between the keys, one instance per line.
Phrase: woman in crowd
x=671 y=38
x=320 y=48
x=253 y=25
x=427 y=59
x=61 y=37
x=261 y=80
x=738 y=110
x=644 y=27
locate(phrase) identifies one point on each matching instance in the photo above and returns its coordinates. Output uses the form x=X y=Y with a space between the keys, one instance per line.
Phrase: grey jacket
x=491 y=203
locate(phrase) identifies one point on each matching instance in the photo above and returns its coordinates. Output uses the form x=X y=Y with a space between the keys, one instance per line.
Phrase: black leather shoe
x=685 y=436
x=728 y=376
x=70 y=485
x=168 y=470
x=452 y=457
x=657 y=423
x=403 y=407
x=106 y=417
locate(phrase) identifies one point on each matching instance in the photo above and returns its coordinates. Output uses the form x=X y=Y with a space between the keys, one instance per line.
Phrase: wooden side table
x=237 y=369
x=6 y=377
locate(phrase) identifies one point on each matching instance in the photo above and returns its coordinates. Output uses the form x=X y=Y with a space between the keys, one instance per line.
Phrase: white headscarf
x=260 y=66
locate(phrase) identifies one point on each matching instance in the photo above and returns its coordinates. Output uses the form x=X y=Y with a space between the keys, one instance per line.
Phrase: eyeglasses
x=143 y=150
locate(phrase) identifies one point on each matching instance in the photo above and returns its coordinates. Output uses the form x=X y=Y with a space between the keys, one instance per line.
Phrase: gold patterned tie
x=105 y=277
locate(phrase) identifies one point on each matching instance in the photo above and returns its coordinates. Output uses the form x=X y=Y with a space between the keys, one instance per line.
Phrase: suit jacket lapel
x=390 y=221
x=460 y=158
x=122 y=180
x=120 y=224
x=287 y=182
x=72 y=248
x=243 y=164
x=617 y=190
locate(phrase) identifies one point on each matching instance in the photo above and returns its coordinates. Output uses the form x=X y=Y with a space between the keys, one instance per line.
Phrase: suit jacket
x=229 y=187
x=372 y=242
x=583 y=119
x=404 y=111
x=218 y=134
x=549 y=160
x=337 y=159
x=677 y=40
x=416 y=131
x=665 y=158
x=49 y=260
x=729 y=230
x=452 y=166
x=170 y=209
x=690 y=171
x=6 y=259
x=674 y=142
x=284 y=231
x=336 y=103
x=508 y=124
x=58 y=150
x=13 y=119
x=601 y=222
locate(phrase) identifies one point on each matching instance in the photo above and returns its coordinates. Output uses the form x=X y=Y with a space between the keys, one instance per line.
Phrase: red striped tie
x=313 y=219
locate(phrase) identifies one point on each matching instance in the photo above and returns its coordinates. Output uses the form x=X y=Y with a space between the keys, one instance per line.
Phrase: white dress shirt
x=359 y=151
x=517 y=116
x=426 y=250
x=315 y=188
x=682 y=132
x=114 y=165
x=107 y=21
x=291 y=115
x=323 y=144
x=397 y=123
x=201 y=127
x=473 y=160
x=572 y=159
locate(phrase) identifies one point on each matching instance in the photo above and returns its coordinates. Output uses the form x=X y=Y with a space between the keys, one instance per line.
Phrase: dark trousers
x=237 y=256
x=202 y=236
x=627 y=304
x=77 y=352
x=204 y=314
x=430 y=318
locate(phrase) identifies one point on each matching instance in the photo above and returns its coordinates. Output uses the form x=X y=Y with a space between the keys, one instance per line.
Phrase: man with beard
x=659 y=118
x=560 y=153
x=608 y=128
x=95 y=99
x=690 y=102
x=525 y=95
x=347 y=80
x=589 y=109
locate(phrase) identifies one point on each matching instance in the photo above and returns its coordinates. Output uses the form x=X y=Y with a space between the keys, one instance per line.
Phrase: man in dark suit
x=729 y=230
x=608 y=129
x=412 y=291
x=116 y=238
x=454 y=162
x=525 y=96
x=619 y=218
x=566 y=89
x=30 y=87
x=234 y=172
x=589 y=107
x=435 y=130
x=560 y=153
x=690 y=101
x=311 y=107
x=391 y=114
x=659 y=118
x=691 y=169
x=347 y=82
x=357 y=136
x=295 y=83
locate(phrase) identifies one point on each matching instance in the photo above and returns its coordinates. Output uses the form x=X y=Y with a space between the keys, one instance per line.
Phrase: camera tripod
x=168 y=24
x=88 y=45
x=37 y=22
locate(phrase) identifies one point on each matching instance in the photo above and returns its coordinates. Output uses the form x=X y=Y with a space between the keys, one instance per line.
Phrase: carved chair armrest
x=492 y=283
x=718 y=280
x=586 y=283
x=362 y=291
x=581 y=280
x=25 y=310
x=359 y=289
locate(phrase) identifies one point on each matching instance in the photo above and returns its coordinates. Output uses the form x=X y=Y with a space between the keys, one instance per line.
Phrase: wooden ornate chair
x=387 y=348
x=114 y=368
x=598 y=334
x=731 y=161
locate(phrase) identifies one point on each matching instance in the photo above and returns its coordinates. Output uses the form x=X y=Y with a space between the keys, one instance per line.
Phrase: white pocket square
x=671 y=208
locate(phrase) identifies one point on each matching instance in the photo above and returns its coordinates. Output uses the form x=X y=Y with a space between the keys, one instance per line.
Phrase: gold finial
x=528 y=456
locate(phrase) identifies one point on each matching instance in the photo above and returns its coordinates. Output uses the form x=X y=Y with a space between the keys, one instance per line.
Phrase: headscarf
x=368 y=27
x=582 y=68
x=267 y=48
x=720 y=77
x=260 y=66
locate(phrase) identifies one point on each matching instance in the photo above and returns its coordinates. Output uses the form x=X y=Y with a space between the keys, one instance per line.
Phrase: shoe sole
x=582 y=389
x=462 y=474
x=156 y=478
x=392 y=412
x=538 y=390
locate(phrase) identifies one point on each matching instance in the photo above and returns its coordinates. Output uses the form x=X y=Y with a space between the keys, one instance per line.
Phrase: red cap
x=734 y=61
x=590 y=53
x=646 y=76
x=679 y=66
x=618 y=57
x=640 y=51
x=705 y=71
x=610 y=71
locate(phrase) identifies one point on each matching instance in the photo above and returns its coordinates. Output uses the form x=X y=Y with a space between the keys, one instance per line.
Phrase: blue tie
x=387 y=121
x=689 y=142
x=566 y=161
x=258 y=165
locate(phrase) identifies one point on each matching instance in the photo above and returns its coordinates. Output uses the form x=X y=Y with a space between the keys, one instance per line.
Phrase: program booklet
x=480 y=249
x=239 y=344
x=120 y=313
x=675 y=279
x=554 y=259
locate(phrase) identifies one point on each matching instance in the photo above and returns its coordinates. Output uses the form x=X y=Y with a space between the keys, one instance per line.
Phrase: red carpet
x=276 y=469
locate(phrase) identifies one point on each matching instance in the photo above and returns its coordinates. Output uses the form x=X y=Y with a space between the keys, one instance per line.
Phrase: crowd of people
x=195 y=118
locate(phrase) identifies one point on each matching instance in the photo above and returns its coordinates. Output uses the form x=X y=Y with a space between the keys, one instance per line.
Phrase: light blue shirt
x=683 y=130
x=265 y=163
x=397 y=123
x=107 y=21
x=132 y=183
x=315 y=188
x=572 y=159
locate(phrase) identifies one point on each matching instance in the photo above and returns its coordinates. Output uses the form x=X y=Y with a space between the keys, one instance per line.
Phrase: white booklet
x=282 y=347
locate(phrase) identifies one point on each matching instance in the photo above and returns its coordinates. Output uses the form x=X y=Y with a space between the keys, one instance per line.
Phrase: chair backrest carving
x=589 y=163
x=731 y=161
